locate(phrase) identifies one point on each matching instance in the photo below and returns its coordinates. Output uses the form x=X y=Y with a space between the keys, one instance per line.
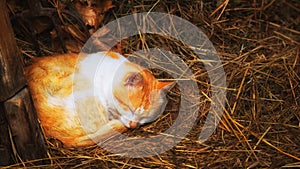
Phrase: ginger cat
x=84 y=99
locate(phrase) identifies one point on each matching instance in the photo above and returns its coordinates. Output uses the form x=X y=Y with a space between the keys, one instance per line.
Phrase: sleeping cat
x=84 y=99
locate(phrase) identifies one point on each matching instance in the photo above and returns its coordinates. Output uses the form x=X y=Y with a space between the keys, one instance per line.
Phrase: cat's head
x=138 y=96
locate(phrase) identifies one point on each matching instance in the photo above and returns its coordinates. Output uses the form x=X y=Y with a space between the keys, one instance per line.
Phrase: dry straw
x=258 y=43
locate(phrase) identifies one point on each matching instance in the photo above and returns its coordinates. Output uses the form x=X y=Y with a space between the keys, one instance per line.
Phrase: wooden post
x=21 y=139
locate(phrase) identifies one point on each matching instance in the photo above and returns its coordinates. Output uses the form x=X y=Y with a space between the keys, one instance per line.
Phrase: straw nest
x=258 y=44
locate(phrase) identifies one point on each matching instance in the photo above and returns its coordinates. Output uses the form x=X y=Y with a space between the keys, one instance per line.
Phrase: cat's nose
x=133 y=124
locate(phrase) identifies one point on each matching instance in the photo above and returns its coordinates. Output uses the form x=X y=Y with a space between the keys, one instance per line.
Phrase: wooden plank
x=11 y=68
x=5 y=144
x=21 y=139
x=24 y=127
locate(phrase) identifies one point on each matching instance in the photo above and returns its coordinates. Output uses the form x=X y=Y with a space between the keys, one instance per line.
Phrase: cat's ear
x=133 y=79
x=166 y=86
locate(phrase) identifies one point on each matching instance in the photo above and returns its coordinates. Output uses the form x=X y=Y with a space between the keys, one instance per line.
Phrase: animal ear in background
x=166 y=86
x=134 y=79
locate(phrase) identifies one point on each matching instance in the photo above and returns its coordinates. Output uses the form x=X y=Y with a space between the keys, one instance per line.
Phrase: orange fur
x=112 y=55
x=53 y=75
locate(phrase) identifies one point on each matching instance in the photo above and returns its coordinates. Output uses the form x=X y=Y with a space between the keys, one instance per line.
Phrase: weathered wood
x=21 y=139
x=24 y=127
x=6 y=156
x=11 y=69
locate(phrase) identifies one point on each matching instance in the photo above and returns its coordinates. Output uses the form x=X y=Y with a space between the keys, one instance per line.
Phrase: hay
x=258 y=43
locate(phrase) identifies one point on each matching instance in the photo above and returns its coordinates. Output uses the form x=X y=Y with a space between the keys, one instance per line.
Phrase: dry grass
x=258 y=43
